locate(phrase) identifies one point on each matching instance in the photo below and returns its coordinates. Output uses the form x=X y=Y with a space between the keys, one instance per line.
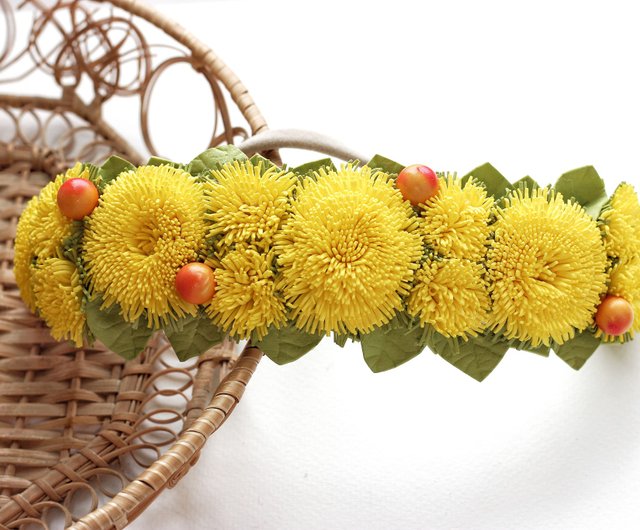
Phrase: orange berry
x=196 y=283
x=77 y=198
x=614 y=315
x=417 y=184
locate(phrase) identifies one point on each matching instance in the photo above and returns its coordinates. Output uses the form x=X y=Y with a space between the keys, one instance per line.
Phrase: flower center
x=350 y=246
x=155 y=227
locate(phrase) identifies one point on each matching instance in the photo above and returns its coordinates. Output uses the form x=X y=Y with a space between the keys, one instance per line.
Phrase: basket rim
x=169 y=468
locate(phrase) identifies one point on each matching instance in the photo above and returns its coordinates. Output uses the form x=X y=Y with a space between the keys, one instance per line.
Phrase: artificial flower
x=451 y=295
x=546 y=268
x=247 y=298
x=24 y=252
x=149 y=223
x=622 y=224
x=247 y=203
x=455 y=221
x=348 y=251
x=53 y=226
x=58 y=296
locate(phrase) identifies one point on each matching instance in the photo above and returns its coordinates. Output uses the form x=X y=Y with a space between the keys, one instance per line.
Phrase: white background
x=536 y=88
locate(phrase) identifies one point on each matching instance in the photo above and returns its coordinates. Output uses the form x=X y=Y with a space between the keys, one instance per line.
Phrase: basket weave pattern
x=80 y=426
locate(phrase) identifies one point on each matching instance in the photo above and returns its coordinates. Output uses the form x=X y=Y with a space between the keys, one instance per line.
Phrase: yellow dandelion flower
x=625 y=282
x=24 y=252
x=247 y=298
x=348 y=251
x=53 y=226
x=455 y=220
x=149 y=223
x=58 y=296
x=247 y=203
x=546 y=268
x=451 y=295
x=622 y=224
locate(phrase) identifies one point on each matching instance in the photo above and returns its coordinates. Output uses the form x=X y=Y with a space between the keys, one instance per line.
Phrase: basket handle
x=299 y=139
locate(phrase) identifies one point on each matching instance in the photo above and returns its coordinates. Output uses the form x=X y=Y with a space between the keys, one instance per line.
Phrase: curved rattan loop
x=218 y=100
x=202 y=54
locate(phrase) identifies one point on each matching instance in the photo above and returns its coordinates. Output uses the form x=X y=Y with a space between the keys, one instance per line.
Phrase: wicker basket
x=81 y=426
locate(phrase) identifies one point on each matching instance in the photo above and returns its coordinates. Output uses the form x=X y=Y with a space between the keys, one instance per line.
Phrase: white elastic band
x=299 y=139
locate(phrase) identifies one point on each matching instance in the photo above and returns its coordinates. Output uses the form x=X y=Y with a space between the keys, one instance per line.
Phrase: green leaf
x=526 y=183
x=495 y=183
x=266 y=163
x=192 y=336
x=287 y=344
x=94 y=174
x=340 y=340
x=112 y=167
x=526 y=346
x=108 y=326
x=577 y=351
x=215 y=158
x=386 y=165
x=157 y=161
x=310 y=167
x=586 y=187
x=476 y=357
x=391 y=345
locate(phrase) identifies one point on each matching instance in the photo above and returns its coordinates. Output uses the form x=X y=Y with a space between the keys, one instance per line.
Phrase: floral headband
x=396 y=258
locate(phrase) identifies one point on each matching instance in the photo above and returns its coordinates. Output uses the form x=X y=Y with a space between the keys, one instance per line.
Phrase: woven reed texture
x=86 y=437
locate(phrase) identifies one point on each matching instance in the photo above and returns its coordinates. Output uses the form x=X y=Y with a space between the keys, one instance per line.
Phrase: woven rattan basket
x=87 y=439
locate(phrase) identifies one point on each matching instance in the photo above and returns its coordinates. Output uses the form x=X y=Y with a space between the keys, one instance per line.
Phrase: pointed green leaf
x=310 y=167
x=495 y=183
x=526 y=346
x=577 y=351
x=391 y=345
x=192 y=336
x=108 y=326
x=586 y=187
x=266 y=163
x=384 y=164
x=287 y=344
x=94 y=174
x=476 y=357
x=214 y=158
x=112 y=167
x=157 y=161
x=341 y=340
x=525 y=183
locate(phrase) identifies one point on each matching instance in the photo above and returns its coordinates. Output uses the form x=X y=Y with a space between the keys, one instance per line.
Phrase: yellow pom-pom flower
x=625 y=282
x=546 y=267
x=24 y=252
x=247 y=295
x=348 y=251
x=41 y=231
x=247 y=203
x=455 y=220
x=149 y=223
x=58 y=297
x=622 y=224
x=53 y=226
x=451 y=295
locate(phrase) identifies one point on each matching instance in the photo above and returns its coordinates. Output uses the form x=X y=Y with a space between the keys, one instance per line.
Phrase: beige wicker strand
x=87 y=457
x=70 y=416
x=132 y=500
